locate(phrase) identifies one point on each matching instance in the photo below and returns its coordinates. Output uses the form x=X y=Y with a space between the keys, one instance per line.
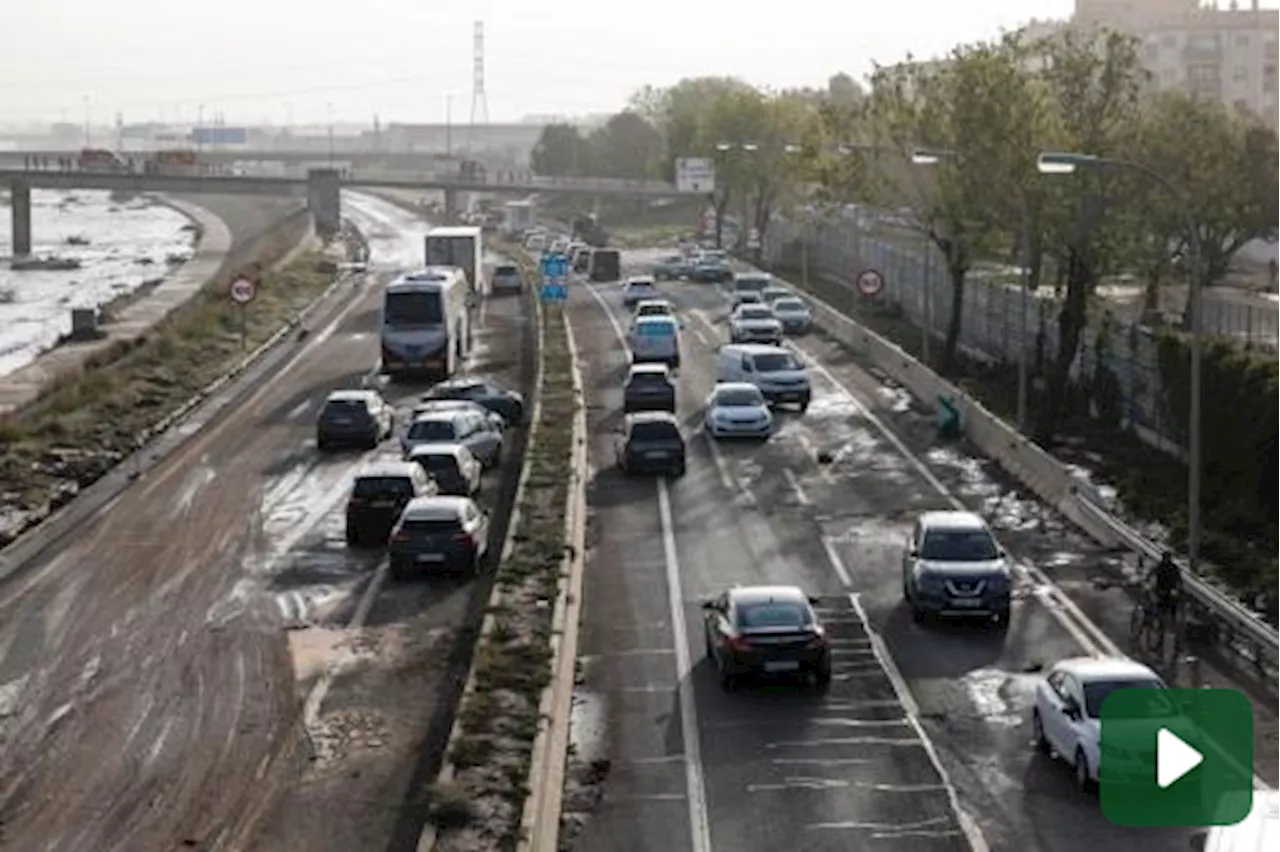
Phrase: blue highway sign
x=554 y=293
x=554 y=266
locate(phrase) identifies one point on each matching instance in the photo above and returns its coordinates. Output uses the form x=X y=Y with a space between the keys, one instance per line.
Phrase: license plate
x=788 y=397
x=781 y=666
x=383 y=504
x=430 y=557
x=655 y=455
x=966 y=603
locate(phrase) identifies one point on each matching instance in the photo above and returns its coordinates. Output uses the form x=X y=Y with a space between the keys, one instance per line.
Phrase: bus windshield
x=412 y=310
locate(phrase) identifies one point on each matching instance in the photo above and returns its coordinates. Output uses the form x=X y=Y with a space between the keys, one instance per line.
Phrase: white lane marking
x=727 y=477
x=315 y=698
x=801 y=496
x=703 y=339
x=970 y=828
x=695 y=782
x=298 y=410
x=1078 y=625
x=833 y=556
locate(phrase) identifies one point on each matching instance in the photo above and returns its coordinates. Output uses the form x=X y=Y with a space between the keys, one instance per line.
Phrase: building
x=1209 y=51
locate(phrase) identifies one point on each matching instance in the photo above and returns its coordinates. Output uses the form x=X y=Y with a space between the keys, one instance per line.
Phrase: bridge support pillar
x=451 y=203
x=324 y=200
x=20 y=202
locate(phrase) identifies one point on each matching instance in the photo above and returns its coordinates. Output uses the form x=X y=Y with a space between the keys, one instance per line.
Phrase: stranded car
x=439 y=533
x=637 y=289
x=953 y=566
x=650 y=442
x=649 y=388
x=765 y=630
x=506 y=278
x=754 y=324
x=507 y=403
x=378 y=496
x=455 y=470
x=455 y=427
x=359 y=418
x=737 y=409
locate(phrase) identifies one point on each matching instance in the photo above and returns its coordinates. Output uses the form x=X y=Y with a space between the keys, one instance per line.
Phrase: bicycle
x=1150 y=623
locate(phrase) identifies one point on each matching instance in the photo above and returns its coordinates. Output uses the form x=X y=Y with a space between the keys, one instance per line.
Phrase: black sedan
x=507 y=403
x=766 y=630
x=649 y=388
x=650 y=442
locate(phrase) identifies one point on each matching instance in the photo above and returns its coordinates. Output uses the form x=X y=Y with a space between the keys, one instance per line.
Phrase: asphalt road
x=923 y=739
x=149 y=691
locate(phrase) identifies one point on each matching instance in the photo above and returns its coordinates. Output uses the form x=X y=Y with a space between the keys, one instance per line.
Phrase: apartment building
x=1222 y=51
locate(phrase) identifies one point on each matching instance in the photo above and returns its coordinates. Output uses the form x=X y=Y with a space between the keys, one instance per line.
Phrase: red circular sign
x=870 y=282
x=242 y=290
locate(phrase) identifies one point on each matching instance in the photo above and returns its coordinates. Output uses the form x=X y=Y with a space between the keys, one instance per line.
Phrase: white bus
x=461 y=246
x=426 y=323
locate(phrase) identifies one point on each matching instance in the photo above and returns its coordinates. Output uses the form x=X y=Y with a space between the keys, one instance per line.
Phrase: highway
x=206 y=652
x=923 y=740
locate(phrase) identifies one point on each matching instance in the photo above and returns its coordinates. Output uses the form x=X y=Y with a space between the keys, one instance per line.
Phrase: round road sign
x=870 y=282
x=242 y=291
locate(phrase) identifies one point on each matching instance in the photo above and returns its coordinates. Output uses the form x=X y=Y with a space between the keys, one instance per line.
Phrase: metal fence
x=992 y=319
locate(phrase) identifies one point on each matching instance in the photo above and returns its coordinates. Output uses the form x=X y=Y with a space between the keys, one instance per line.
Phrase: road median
x=89 y=421
x=503 y=773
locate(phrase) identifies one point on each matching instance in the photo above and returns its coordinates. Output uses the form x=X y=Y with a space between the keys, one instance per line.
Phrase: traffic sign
x=870 y=282
x=554 y=293
x=242 y=290
x=554 y=266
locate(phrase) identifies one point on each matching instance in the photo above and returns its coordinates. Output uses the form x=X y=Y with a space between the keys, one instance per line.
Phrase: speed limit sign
x=242 y=290
x=870 y=282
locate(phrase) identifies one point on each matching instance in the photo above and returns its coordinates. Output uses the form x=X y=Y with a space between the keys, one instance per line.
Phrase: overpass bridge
x=322 y=187
x=359 y=158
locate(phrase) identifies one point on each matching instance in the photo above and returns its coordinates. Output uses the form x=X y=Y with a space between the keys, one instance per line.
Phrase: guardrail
x=1245 y=631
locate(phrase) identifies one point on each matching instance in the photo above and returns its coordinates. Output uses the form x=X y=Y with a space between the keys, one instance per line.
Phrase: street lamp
x=1066 y=163
x=329 y=110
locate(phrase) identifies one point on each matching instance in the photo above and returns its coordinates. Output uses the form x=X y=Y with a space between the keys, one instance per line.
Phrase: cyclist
x=1168 y=586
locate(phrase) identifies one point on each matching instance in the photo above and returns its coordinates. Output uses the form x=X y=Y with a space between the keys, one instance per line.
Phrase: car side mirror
x=1071 y=710
x=710 y=606
x=914 y=553
x=1002 y=553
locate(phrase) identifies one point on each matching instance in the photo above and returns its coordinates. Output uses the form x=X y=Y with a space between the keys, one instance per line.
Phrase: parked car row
x=422 y=506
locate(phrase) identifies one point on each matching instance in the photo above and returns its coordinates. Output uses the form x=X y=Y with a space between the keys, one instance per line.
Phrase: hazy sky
x=256 y=60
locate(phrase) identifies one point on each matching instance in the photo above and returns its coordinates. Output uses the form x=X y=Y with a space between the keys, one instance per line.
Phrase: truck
x=462 y=247
x=518 y=217
x=100 y=160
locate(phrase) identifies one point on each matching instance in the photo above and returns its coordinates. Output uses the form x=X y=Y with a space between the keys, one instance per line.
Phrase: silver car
x=429 y=405
x=794 y=314
x=754 y=324
x=469 y=428
x=738 y=409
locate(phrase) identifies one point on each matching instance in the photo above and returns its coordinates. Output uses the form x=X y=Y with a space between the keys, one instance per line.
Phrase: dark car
x=953 y=566
x=766 y=630
x=582 y=260
x=711 y=271
x=379 y=495
x=455 y=470
x=507 y=403
x=672 y=267
x=649 y=388
x=354 y=418
x=506 y=278
x=605 y=265
x=650 y=442
x=439 y=533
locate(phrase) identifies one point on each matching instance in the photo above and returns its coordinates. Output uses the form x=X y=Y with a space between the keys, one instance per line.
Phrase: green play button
x=1176 y=757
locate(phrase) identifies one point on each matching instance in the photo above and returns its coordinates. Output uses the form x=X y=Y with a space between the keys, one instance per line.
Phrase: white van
x=1258 y=831
x=752 y=282
x=773 y=369
x=655 y=338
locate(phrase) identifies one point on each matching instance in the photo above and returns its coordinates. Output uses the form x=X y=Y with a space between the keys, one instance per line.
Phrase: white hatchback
x=738 y=409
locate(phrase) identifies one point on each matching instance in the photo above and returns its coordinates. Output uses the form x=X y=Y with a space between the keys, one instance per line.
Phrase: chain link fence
x=997 y=325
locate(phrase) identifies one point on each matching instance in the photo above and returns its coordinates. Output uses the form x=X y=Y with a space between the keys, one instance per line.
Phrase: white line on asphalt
x=315 y=698
x=836 y=562
x=300 y=409
x=727 y=478
x=796 y=487
x=1078 y=625
x=700 y=829
x=702 y=338
x=695 y=782
x=970 y=828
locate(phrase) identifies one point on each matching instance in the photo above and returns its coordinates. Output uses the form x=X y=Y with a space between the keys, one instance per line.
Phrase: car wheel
x=822 y=675
x=353 y=537
x=1037 y=733
x=322 y=445
x=1083 y=781
x=679 y=470
x=804 y=407
x=917 y=613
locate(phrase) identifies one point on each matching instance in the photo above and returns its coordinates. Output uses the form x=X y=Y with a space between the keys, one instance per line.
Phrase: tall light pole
x=934 y=156
x=88 y=124
x=1066 y=163
x=329 y=110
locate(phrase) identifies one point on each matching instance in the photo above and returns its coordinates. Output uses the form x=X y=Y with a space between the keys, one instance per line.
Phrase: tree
x=627 y=146
x=788 y=128
x=1095 y=83
x=970 y=108
x=560 y=150
x=844 y=90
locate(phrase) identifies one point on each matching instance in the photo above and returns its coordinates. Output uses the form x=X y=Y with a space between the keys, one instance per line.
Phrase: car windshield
x=739 y=396
x=756 y=284
x=655 y=430
x=656 y=328
x=345 y=408
x=1157 y=705
x=753 y=313
x=770 y=362
x=431 y=430
x=654 y=310
x=788 y=306
x=648 y=379
x=437 y=462
x=747 y=298
x=506 y=270
x=429 y=526
x=379 y=486
x=772 y=614
x=967 y=545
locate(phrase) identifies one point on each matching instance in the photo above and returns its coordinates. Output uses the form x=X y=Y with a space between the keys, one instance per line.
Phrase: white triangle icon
x=1174 y=758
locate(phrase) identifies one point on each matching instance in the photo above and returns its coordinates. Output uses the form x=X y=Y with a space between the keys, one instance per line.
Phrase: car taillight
x=465 y=539
x=400 y=535
x=739 y=643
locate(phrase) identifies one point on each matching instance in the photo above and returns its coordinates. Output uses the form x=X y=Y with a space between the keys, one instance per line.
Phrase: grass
x=86 y=421
x=498 y=717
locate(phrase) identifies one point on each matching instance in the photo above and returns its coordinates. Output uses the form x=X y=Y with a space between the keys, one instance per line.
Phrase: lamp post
x=1066 y=163
x=724 y=149
x=934 y=156
x=329 y=110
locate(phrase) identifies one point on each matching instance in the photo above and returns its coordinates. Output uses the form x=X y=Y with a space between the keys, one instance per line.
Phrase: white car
x=773 y=293
x=754 y=324
x=637 y=289
x=746 y=297
x=1065 y=719
x=794 y=315
x=654 y=307
x=738 y=409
